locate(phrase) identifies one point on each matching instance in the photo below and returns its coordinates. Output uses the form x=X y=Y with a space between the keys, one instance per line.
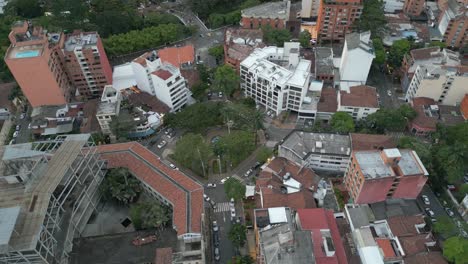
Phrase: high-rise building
x=86 y=63
x=335 y=18
x=453 y=23
x=35 y=60
x=376 y=175
x=414 y=7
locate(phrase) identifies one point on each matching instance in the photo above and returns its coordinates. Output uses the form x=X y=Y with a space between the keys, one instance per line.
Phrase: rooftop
x=360 y=216
x=395 y=207
x=433 y=57
x=108 y=108
x=359 y=40
x=360 y=96
x=272 y=10
x=80 y=40
x=163 y=74
x=305 y=143
x=177 y=56
x=328 y=101
x=371 y=141
x=324 y=61
x=145 y=100
x=431 y=113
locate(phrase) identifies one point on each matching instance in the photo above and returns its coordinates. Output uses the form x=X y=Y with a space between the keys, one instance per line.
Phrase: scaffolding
x=56 y=184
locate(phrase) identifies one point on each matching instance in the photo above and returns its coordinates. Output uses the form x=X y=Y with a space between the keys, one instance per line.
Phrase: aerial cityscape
x=234 y=131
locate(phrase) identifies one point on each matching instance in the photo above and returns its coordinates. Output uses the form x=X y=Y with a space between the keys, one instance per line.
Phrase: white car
x=425 y=199
x=231 y=203
x=173 y=166
x=389 y=93
x=449 y=212
x=206 y=197
x=162 y=144
x=23 y=115
x=224 y=180
x=429 y=212
x=15 y=134
x=247 y=173
x=215 y=226
x=220 y=94
x=211 y=185
x=233 y=213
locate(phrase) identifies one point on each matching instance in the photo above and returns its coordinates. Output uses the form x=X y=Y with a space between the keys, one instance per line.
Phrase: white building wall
x=173 y=91
x=143 y=78
x=355 y=65
x=328 y=162
x=306 y=8
x=357 y=113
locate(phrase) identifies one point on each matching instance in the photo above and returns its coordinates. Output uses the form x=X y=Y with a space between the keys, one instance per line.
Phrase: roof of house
x=405 y=225
x=145 y=99
x=317 y=220
x=184 y=193
x=163 y=256
x=360 y=96
x=90 y=123
x=279 y=9
x=429 y=113
x=432 y=257
x=415 y=244
x=395 y=207
x=328 y=101
x=276 y=192
x=324 y=61
x=359 y=40
x=370 y=141
x=163 y=74
x=177 y=55
x=386 y=246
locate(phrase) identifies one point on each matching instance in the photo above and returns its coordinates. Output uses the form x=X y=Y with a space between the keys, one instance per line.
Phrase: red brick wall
x=410 y=187
x=374 y=191
x=254 y=23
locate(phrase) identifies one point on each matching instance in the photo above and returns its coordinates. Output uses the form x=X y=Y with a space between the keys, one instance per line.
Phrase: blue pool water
x=27 y=54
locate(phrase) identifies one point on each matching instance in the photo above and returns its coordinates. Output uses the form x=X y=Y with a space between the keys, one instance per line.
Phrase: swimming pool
x=27 y=54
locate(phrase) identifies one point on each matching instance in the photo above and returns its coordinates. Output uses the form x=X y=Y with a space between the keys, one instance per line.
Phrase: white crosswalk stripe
x=222 y=207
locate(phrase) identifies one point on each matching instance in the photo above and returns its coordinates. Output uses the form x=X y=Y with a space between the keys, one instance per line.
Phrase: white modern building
x=359 y=102
x=279 y=80
x=436 y=74
x=108 y=108
x=161 y=79
x=356 y=60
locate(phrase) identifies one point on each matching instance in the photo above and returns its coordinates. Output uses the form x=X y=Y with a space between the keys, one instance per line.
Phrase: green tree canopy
x=226 y=80
x=445 y=226
x=399 y=49
x=23 y=8
x=380 y=55
x=234 y=189
x=242 y=260
x=456 y=250
x=304 y=38
x=196 y=118
x=235 y=147
x=199 y=91
x=237 y=235
x=193 y=152
x=122 y=124
x=149 y=214
x=342 y=122
x=372 y=18
x=119 y=184
x=263 y=154
x=275 y=37
x=390 y=119
x=217 y=52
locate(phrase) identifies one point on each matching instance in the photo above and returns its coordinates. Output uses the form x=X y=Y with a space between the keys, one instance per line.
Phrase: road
x=384 y=83
x=24 y=134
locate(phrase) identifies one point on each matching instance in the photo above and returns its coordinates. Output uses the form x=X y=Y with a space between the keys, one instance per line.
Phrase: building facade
x=160 y=79
x=239 y=43
x=376 y=175
x=273 y=14
x=453 y=23
x=335 y=18
x=108 y=108
x=414 y=7
x=86 y=63
x=35 y=60
x=359 y=102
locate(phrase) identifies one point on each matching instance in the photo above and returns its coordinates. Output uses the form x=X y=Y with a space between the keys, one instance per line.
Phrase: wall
x=373 y=191
x=250 y=23
x=141 y=77
x=410 y=187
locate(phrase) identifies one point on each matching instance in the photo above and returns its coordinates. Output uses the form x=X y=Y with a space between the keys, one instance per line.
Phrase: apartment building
x=160 y=79
x=436 y=74
x=35 y=60
x=414 y=7
x=86 y=63
x=359 y=102
x=273 y=14
x=239 y=43
x=356 y=60
x=108 y=108
x=335 y=18
x=376 y=175
x=453 y=23
x=278 y=79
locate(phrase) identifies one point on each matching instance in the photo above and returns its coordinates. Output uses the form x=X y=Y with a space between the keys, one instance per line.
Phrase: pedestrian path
x=222 y=207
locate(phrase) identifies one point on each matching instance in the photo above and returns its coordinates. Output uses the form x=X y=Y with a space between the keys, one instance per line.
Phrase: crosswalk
x=222 y=207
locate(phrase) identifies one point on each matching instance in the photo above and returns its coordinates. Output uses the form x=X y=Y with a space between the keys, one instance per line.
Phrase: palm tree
x=121 y=185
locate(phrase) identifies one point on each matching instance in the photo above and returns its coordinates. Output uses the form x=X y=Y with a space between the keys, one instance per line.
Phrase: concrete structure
x=436 y=74
x=324 y=67
x=326 y=239
x=429 y=114
x=393 y=6
x=453 y=23
x=376 y=175
x=108 y=108
x=284 y=183
x=35 y=60
x=463 y=208
x=359 y=102
x=356 y=60
x=335 y=18
x=86 y=63
x=52 y=120
x=239 y=43
x=401 y=30
x=310 y=8
x=279 y=80
x=414 y=8
x=160 y=79
x=319 y=151
x=49 y=191
x=274 y=14
x=277 y=239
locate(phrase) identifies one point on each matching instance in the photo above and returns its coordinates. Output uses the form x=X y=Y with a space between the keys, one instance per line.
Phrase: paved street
x=24 y=134
x=383 y=83
x=435 y=205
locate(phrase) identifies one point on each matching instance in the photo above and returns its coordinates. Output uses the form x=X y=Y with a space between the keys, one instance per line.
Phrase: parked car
x=231 y=203
x=429 y=212
x=216 y=238
x=389 y=93
x=12 y=142
x=215 y=226
x=257 y=165
x=433 y=220
x=213 y=204
x=167 y=131
x=173 y=166
x=206 y=197
x=162 y=144
x=224 y=180
x=211 y=185
x=23 y=115
x=425 y=199
x=170 y=135
x=18 y=127
x=216 y=253
x=449 y=212
x=220 y=94
x=247 y=173
x=451 y=187
x=233 y=212
x=15 y=134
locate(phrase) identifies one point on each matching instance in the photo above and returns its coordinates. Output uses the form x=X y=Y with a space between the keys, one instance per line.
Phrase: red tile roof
x=360 y=96
x=185 y=195
x=163 y=74
x=146 y=99
x=328 y=101
x=426 y=258
x=163 y=256
x=270 y=185
x=405 y=225
x=464 y=107
x=422 y=120
x=415 y=244
x=318 y=219
x=370 y=142
x=386 y=247
x=177 y=55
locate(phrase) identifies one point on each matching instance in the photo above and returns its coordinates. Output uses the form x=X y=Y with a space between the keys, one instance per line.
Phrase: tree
x=399 y=49
x=237 y=235
x=149 y=214
x=193 y=152
x=304 y=38
x=199 y=91
x=244 y=117
x=217 y=52
x=463 y=190
x=263 y=154
x=119 y=184
x=456 y=249
x=196 y=118
x=372 y=18
x=122 y=124
x=226 y=80
x=24 y=8
x=437 y=44
x=390 y=119
x=445 y=226
x=242 y=260
x=235 y=147
x=380 y=55
x=234 y=189
x=342 y=122
x=275 y=37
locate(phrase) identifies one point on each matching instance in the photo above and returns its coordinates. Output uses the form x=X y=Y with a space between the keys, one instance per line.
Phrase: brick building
x=239 y=43
x=275 y=14
x=453 y=23
x=375 y=175
x=414 y=7
x=335 y=18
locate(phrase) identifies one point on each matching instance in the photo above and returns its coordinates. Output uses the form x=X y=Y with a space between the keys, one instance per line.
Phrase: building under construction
x=48 y=191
